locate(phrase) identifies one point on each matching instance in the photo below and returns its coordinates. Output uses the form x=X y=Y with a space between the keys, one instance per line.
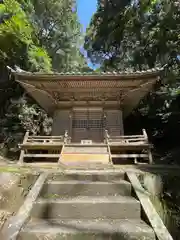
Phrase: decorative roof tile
x=97 y=75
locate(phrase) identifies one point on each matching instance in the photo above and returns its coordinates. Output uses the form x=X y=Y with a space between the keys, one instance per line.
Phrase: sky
x=86 y=8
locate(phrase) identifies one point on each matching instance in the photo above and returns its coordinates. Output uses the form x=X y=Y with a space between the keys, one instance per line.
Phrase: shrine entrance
x=88 y=124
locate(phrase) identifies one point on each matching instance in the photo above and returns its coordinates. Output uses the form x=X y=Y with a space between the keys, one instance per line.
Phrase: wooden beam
x=45 y=137
x=127 y=137
x=129 y=155
x=44 y=141
x=89 y=90
x=42 y=155
x=41 y=146
x=130 y=147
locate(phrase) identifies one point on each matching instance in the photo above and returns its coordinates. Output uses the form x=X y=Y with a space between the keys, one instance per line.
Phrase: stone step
x=87 y=229
x=85 y=188
x=112 y=207
x=88 y=175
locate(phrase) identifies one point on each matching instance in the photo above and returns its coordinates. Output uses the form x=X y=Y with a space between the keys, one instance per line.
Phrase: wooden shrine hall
x=88 y=111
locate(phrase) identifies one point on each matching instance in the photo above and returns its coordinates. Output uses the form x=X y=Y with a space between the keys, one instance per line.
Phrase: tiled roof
x=114 y=73
x=93 y=73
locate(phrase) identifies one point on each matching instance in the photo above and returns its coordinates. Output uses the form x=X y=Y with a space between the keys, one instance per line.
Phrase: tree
x=16 y=37
x=18 y=46
x=38 y=36
x=58 y=31
x=138 y=35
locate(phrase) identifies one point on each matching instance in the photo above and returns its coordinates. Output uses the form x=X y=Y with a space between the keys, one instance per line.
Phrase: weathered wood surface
x=112 y=143
x=41 y=146
x=84 y=158
x=46 y=137
x=129 y=155
x=44 y=141
x=130 y=146
x=127 y=137
x=42 y=155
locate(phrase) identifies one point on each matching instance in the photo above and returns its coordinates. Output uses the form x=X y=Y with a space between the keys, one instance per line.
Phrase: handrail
x=45 y=137
x=34 y=138
x=127 y=137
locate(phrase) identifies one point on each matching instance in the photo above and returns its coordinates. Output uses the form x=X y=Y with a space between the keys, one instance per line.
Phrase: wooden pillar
x=61 y=122
x=70 y=122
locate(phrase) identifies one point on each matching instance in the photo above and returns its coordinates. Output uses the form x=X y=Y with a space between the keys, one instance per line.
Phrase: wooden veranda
x=134 y=148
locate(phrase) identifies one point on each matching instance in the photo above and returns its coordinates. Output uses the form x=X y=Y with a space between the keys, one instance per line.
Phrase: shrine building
x=89 y=107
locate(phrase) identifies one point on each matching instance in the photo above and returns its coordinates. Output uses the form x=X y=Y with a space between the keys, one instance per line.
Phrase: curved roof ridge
x=19 y=71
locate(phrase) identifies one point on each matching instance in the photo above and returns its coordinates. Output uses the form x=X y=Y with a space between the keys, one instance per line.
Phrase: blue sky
x=86 y=8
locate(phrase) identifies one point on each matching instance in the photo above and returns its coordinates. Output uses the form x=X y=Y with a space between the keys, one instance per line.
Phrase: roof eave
x=88 y=76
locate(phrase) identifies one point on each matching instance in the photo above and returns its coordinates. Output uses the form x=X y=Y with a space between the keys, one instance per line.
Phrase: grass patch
x=14 y=169
x=51 y=196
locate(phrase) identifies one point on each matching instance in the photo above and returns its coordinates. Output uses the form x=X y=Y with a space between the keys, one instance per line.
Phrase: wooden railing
x=119 y=147
x=36 y=140
x=42 y=146
x=129 y=139
x=137 y=145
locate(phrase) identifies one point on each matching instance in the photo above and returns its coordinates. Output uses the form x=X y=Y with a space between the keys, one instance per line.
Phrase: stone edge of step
x=90 y=199
x=136 y=226
x=89 y=182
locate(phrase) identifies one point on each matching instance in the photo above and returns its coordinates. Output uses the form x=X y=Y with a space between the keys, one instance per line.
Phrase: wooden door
x=79 y=125
x=95 y=125
x=87 y=124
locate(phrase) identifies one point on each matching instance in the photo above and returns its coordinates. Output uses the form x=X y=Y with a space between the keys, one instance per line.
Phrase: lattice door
x=87 y=124
x=95 y=125
x=79 y=125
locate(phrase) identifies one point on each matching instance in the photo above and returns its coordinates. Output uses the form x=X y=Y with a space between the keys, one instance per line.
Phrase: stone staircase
x=92 y=204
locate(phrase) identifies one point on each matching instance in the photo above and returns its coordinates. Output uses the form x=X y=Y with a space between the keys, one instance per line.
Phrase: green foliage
x=39 y=60
x=17 y=42
x=21 y=115
x=17 y=25
x=59 y=32
x=138 y=35
x=38 y=36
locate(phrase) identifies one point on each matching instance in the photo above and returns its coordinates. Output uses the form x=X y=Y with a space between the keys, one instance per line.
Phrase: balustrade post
x=66 y=137
x=145 y=134
x=26 y=137
x=106 y=135
x=149 y=150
